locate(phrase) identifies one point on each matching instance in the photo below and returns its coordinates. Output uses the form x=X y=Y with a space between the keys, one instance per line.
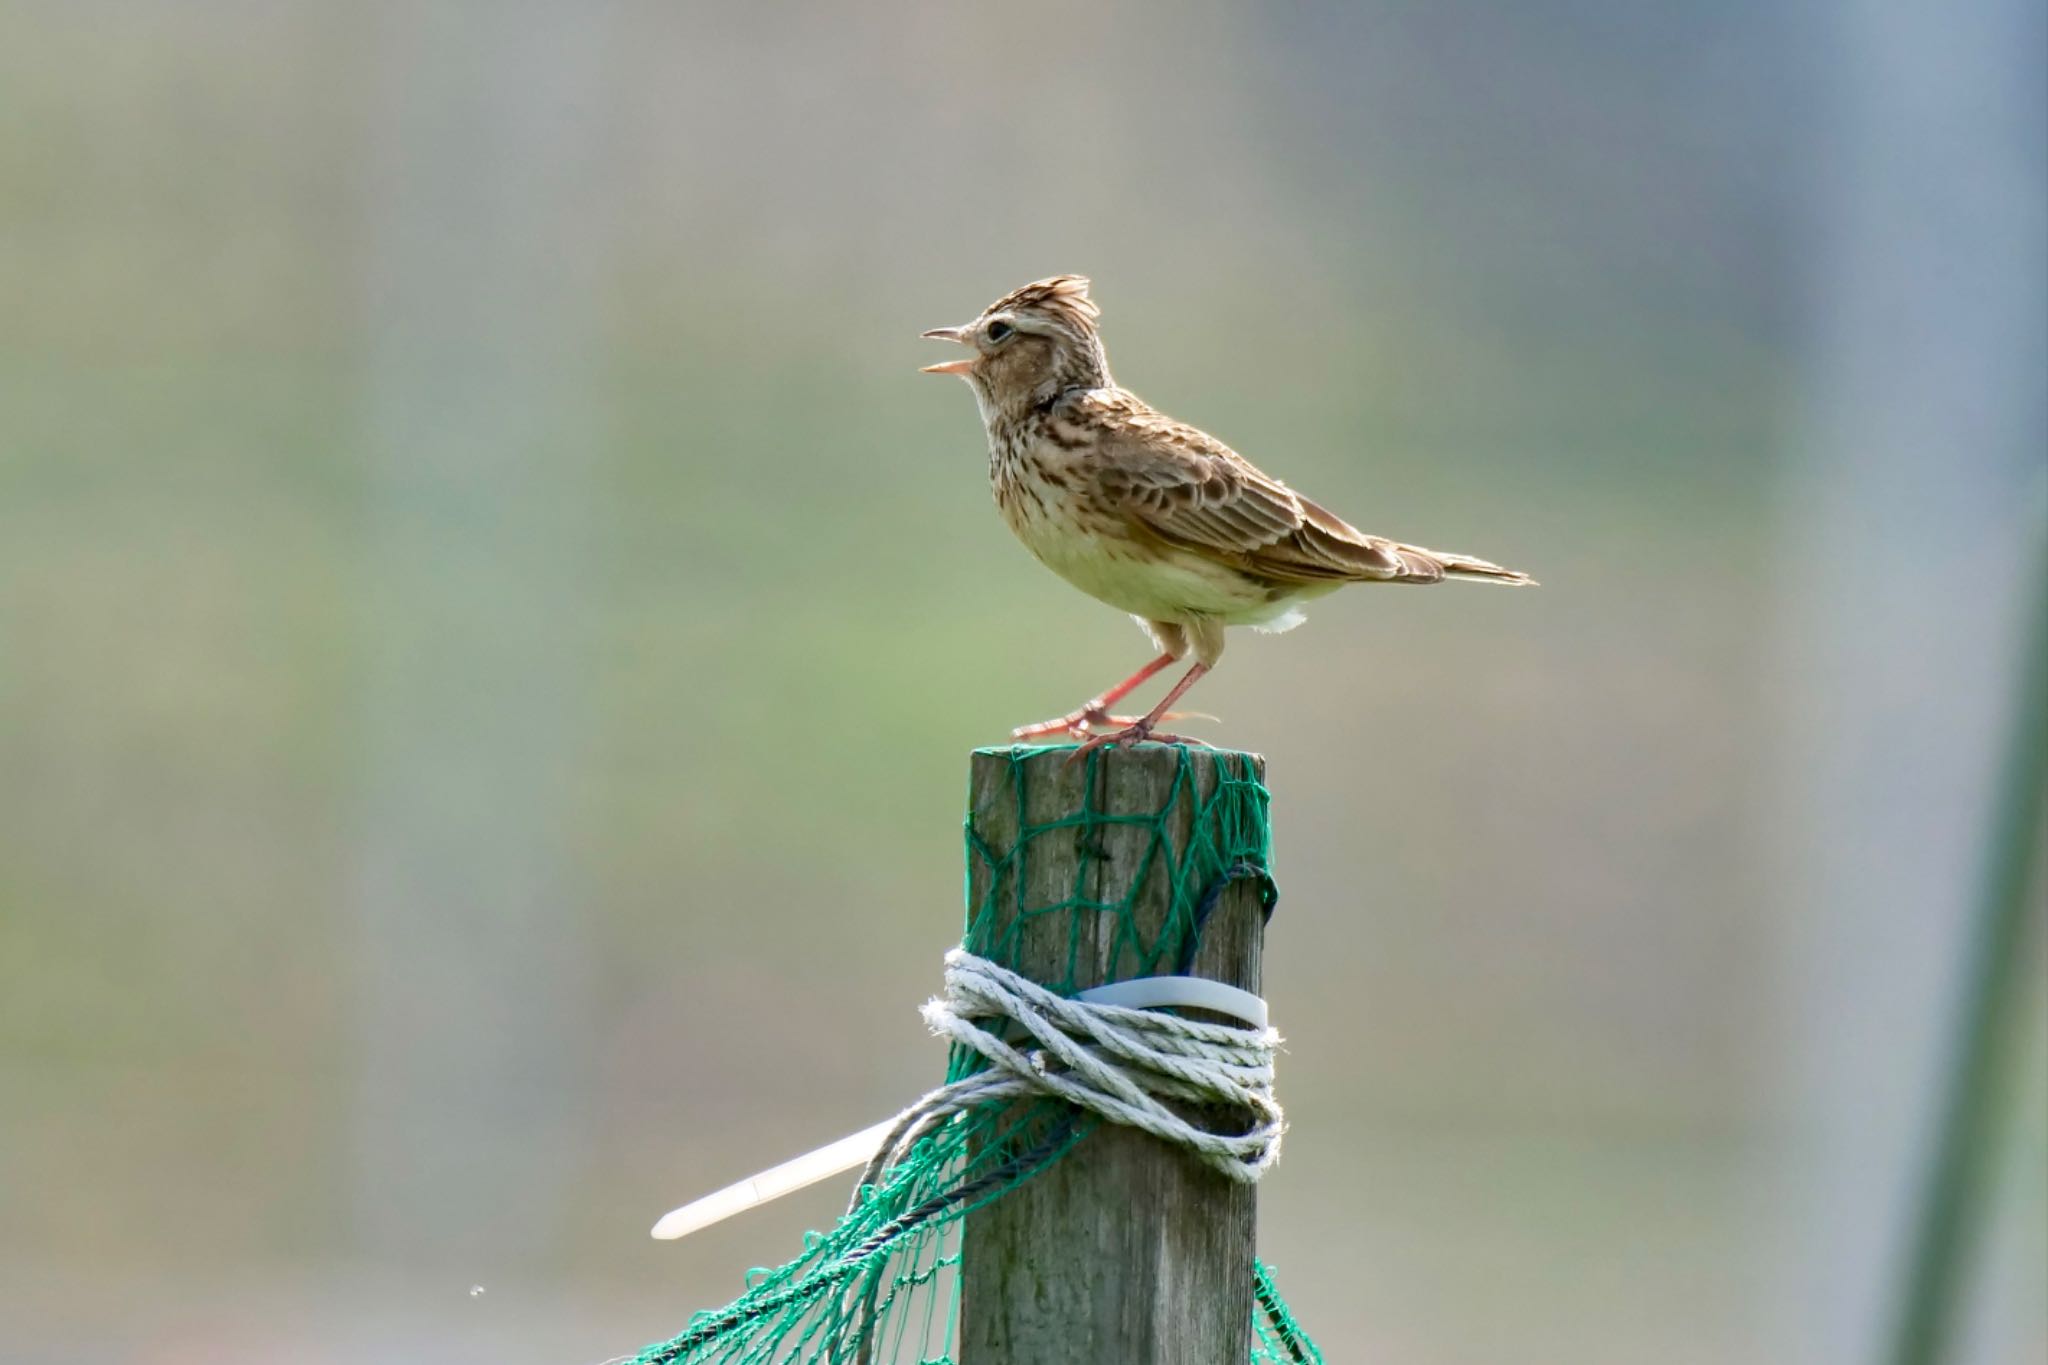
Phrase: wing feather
x=1190 y=490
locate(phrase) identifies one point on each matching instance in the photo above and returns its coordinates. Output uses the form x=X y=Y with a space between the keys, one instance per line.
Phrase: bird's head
x=1030 y=344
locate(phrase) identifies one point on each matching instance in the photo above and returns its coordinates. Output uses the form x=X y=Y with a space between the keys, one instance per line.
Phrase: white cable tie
x=1180 y=992
x=773 y=1183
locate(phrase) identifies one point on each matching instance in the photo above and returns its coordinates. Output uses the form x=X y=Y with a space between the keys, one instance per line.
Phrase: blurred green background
x=491 y=623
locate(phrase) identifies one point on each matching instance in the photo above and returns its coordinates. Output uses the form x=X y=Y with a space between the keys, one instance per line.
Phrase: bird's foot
x=1085 y=723
x=1134 y=734
x=1091 y=721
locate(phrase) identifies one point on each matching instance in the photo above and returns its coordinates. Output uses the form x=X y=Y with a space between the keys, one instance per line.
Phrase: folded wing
x=1189 y=490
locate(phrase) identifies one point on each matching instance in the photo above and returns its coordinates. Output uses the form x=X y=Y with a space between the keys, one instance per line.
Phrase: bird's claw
x=1090 y=722
x=1080 y=724
x=1134 y=734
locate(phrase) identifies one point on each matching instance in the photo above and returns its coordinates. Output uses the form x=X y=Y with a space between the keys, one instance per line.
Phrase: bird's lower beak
x=960 y=366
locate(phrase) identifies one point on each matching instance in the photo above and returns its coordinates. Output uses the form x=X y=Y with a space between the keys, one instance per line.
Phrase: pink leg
x=1142 y=729
x=1129 y=685
x=1095 y=712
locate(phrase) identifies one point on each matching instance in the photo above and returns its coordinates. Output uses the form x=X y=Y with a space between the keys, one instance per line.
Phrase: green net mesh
x=883 y=1285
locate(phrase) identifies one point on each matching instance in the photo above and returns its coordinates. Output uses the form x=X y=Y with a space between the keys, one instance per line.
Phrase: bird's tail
x=1433 y=566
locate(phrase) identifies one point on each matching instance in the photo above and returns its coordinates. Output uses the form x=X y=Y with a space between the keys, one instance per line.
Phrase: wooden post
x=1127 y=1251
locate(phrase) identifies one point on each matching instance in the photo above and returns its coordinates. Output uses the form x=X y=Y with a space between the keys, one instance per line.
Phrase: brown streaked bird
x=1151 y=515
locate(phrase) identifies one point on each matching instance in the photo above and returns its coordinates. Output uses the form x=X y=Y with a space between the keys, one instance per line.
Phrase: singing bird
x=1151 y=515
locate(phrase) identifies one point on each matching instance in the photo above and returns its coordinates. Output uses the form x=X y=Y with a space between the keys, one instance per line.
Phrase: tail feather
x=1433 y=566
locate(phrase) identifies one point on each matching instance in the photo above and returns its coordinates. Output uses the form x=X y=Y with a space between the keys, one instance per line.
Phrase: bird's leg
x=1141 y=730
x=1081 y=724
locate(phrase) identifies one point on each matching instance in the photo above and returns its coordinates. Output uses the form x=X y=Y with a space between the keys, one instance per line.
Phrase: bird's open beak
x=960 y=366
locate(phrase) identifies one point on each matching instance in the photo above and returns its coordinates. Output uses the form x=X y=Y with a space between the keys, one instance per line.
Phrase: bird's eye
x=999 y=332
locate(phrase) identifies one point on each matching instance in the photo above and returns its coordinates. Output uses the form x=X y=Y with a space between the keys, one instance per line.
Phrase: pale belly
x=1157 y=583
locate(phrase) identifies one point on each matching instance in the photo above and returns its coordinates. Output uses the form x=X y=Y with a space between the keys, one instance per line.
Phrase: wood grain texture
x=1126 y=1252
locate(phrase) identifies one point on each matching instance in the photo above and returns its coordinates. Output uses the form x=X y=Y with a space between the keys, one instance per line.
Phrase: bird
x=1147 y=514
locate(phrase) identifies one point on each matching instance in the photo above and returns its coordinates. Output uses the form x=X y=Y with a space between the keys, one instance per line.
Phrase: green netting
x=883 y=1284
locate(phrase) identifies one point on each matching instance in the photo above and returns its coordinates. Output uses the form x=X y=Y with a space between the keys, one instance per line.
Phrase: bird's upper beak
x=960 y=366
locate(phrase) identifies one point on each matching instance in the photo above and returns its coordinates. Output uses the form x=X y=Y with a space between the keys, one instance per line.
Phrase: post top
x=1082 y=874
x=1033 y=750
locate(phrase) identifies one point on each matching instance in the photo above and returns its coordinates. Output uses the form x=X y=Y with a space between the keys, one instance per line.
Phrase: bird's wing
x=1192 y=491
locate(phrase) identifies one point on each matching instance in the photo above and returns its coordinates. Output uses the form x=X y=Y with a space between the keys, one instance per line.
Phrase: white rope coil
x=1121 y=1063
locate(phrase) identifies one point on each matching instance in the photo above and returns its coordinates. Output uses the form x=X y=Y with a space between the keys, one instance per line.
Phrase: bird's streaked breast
x=1040 y=487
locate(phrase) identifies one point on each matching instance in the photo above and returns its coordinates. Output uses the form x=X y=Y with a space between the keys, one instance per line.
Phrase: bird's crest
x=1063 y=298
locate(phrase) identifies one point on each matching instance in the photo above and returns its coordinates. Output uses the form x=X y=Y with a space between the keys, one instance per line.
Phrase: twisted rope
x=1120 y=1063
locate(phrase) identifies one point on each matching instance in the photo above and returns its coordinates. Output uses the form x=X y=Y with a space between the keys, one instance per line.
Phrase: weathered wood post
x=1127 y=1251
